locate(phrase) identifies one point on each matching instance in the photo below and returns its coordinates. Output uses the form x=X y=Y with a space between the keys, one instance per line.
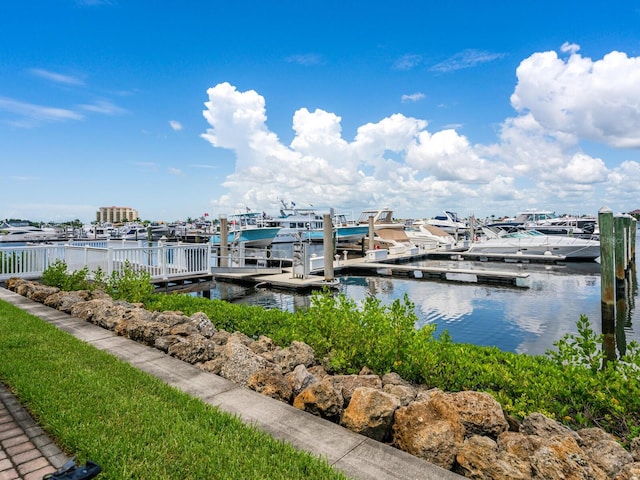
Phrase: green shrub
x=129 y=284
x=56 y=275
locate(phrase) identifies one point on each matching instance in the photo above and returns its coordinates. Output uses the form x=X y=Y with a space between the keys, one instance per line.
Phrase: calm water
x=521 y=320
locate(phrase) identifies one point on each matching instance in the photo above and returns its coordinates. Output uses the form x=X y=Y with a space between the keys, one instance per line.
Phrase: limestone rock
x=263 y=346
x=631 y=471
x=349 y=383
x=404 y=393
x=480 y=458
x=430 y=429
x=64 y=301
x=108 y=315
x=635 y=449
x=193 y=349
x=39 y=293
x=165 y=342
x=560 y=457
x=539 y=424
x=392 y=378
x=14 y=282
x=240 y=363
x=220 y=337
x=298 y=353
x=184 y=329
x=300 y=379
x=87 y=310
x=519 y=444
x=323 y=399
x=137 y=324
x=202 y=324
x=171 y=319
x=212 y=366
x=480 y=413
x=603 y=450
x=370 y=413
x=272 y=383
x=241 y=338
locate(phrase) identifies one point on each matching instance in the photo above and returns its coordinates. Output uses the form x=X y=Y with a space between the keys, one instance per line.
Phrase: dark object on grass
x=72 y=471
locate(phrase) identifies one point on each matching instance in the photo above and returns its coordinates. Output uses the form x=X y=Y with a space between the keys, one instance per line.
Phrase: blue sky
x=178 y=109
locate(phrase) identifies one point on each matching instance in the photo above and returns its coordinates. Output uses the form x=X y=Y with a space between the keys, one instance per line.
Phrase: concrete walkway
x=357 y=456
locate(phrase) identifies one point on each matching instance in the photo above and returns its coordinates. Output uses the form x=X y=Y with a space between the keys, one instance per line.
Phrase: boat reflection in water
x=521 y=320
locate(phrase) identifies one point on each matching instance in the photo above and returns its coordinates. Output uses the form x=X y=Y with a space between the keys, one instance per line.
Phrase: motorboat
x=100 y=231
x=249 y=229
x=28 y=234
x=429 y=237
x=547 y=222
x=387 y=233
x=132 y=232
x=305 y=224
x=138 y=231
x=533 y=242
x=382 y=219
x=450 y=223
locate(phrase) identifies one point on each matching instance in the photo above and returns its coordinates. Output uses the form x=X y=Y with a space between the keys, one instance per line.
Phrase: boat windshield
x=524 y=234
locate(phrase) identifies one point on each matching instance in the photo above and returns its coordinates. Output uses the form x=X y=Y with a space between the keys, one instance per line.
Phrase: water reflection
x=522 y=320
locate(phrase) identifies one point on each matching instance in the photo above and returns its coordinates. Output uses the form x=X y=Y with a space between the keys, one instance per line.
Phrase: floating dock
x=468 y=275
x=499 y=257
x=393 y=265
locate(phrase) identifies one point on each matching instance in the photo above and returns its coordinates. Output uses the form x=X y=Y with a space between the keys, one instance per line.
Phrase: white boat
x=532 y=242
x=547 y=222
x=101 y=231
x=388 y=233
x=305 y=224
x=429 y=237
x=133 y=232
x=28 y=234
x=382 y=219
x=139 y=231
x=450 y=223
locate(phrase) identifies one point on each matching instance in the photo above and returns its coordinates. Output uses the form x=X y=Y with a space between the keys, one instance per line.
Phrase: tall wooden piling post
x=372 y=232
x=621 y=260
x=224 y=241
x=607 y=283
x=327 y=241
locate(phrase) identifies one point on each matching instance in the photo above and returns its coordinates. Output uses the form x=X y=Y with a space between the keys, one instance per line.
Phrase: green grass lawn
x=132 y=424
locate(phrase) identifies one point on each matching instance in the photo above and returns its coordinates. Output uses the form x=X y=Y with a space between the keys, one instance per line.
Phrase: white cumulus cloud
x=594 y=100
x=540 y=156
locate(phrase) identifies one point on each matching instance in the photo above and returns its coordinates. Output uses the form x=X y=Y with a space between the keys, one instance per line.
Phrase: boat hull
x=251 y=237
x=572 y=249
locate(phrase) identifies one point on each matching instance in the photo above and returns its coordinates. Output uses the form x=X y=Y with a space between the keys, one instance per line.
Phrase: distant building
x=116 y=214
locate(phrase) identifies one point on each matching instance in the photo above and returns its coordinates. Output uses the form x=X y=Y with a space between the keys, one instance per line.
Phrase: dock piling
x=328 y=247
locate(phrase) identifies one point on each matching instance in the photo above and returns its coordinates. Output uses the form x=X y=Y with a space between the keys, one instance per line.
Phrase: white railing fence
x=162 y=261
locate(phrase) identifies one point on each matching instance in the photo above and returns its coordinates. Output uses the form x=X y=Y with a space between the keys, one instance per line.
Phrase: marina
x=517 y=301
